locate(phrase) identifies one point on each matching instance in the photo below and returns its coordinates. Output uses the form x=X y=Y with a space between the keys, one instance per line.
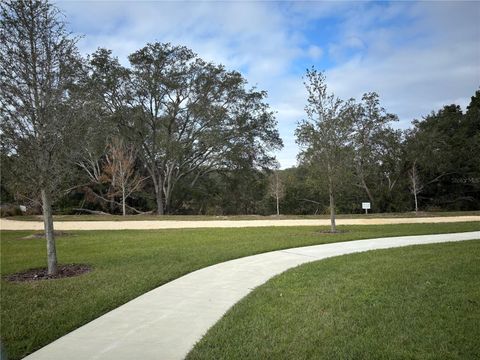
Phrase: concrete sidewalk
x=166 y=322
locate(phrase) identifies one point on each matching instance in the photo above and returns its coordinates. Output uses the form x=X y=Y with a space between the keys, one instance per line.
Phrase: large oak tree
x=187 y=117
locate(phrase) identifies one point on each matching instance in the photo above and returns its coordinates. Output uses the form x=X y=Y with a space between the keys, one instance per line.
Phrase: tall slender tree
x=40 y=70
x=276 y=188
x=415 y=184
x=326 y=134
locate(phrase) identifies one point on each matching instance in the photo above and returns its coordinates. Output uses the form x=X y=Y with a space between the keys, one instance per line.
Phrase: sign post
x=366 y=206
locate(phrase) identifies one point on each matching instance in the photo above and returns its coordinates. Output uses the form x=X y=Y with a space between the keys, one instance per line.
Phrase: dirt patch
x=41 y=235
x=192 y=224
x=64 y=271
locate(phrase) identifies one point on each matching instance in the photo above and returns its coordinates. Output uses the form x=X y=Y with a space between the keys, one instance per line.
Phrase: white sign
x=366 y=205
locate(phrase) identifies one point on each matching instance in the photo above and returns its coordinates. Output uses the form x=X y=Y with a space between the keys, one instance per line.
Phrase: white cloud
x=315 y=52
x=425 y=73
x=417 y=55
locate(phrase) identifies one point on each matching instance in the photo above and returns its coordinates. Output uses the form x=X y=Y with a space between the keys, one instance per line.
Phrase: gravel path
x=184 y=224
x=166 y=322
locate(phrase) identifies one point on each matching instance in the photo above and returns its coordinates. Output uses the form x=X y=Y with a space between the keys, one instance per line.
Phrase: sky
x=418 y=56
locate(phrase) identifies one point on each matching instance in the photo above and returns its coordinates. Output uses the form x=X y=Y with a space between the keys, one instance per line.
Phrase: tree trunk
x=49 y=235
x=367 y=190
x=157 y=184
x=416 y=202
x=167 y=199
x=333 y=227
x=364 y=185
x=415 y=185
x=124 y=212
x=168 y=189
x=158 y=196
x=278 y=206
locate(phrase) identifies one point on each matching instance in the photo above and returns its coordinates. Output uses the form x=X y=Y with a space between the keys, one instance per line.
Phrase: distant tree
x=42 y=119
x=276 y=188
x=111 y=174
x=441 y=145
x=416 y=185
x=471 y=145
x=326 y=134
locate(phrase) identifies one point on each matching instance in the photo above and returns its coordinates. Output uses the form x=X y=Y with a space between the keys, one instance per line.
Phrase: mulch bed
x=38 y=274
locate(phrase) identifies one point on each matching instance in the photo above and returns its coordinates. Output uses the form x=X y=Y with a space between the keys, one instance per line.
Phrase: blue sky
x=418 y=56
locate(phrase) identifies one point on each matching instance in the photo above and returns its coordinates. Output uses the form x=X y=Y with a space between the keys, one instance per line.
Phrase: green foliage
x=373 y=162
x=444 y=146
x=238 y=191
x=41 y=110
x=185 y=116
x=377 y=153
x=325 y=136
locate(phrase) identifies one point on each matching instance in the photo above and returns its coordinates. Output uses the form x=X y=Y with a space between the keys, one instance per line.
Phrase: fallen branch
x=119 y=204
x=95 y=212
x=312 y=201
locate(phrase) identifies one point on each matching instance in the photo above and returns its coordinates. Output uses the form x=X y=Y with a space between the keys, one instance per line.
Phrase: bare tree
x=119 y=171
x=416 y=186
x=276 y=188
x=111 y=174
x=39 y=72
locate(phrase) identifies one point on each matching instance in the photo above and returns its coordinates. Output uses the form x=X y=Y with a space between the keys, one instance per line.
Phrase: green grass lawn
x=418 y=302
x=86 y=217
x=126 y=264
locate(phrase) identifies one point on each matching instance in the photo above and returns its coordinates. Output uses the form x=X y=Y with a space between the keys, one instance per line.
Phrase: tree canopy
x=42 y=114
x=187 y=117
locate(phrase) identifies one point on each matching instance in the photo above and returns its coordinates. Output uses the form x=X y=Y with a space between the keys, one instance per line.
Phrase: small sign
x=366 y=205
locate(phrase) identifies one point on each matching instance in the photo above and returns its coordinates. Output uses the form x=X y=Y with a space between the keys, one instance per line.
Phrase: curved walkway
x=166 y=322
x=184 y=224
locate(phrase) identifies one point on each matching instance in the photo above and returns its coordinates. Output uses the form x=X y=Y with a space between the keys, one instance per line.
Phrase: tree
x=40 y=70
x=276 y=188
x=119 y=171
x=372 y=141
x=110 y=173
x=441 y=145
x=416 y=185
x=187 y=117
x=325 y=134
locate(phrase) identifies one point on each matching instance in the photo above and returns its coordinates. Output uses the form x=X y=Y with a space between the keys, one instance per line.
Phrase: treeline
x=174 y=134
x=352 y=152
x=437 y=160
x=436 y=163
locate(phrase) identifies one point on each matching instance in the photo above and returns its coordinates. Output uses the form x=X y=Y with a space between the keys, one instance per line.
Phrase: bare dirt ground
x=175 y=224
